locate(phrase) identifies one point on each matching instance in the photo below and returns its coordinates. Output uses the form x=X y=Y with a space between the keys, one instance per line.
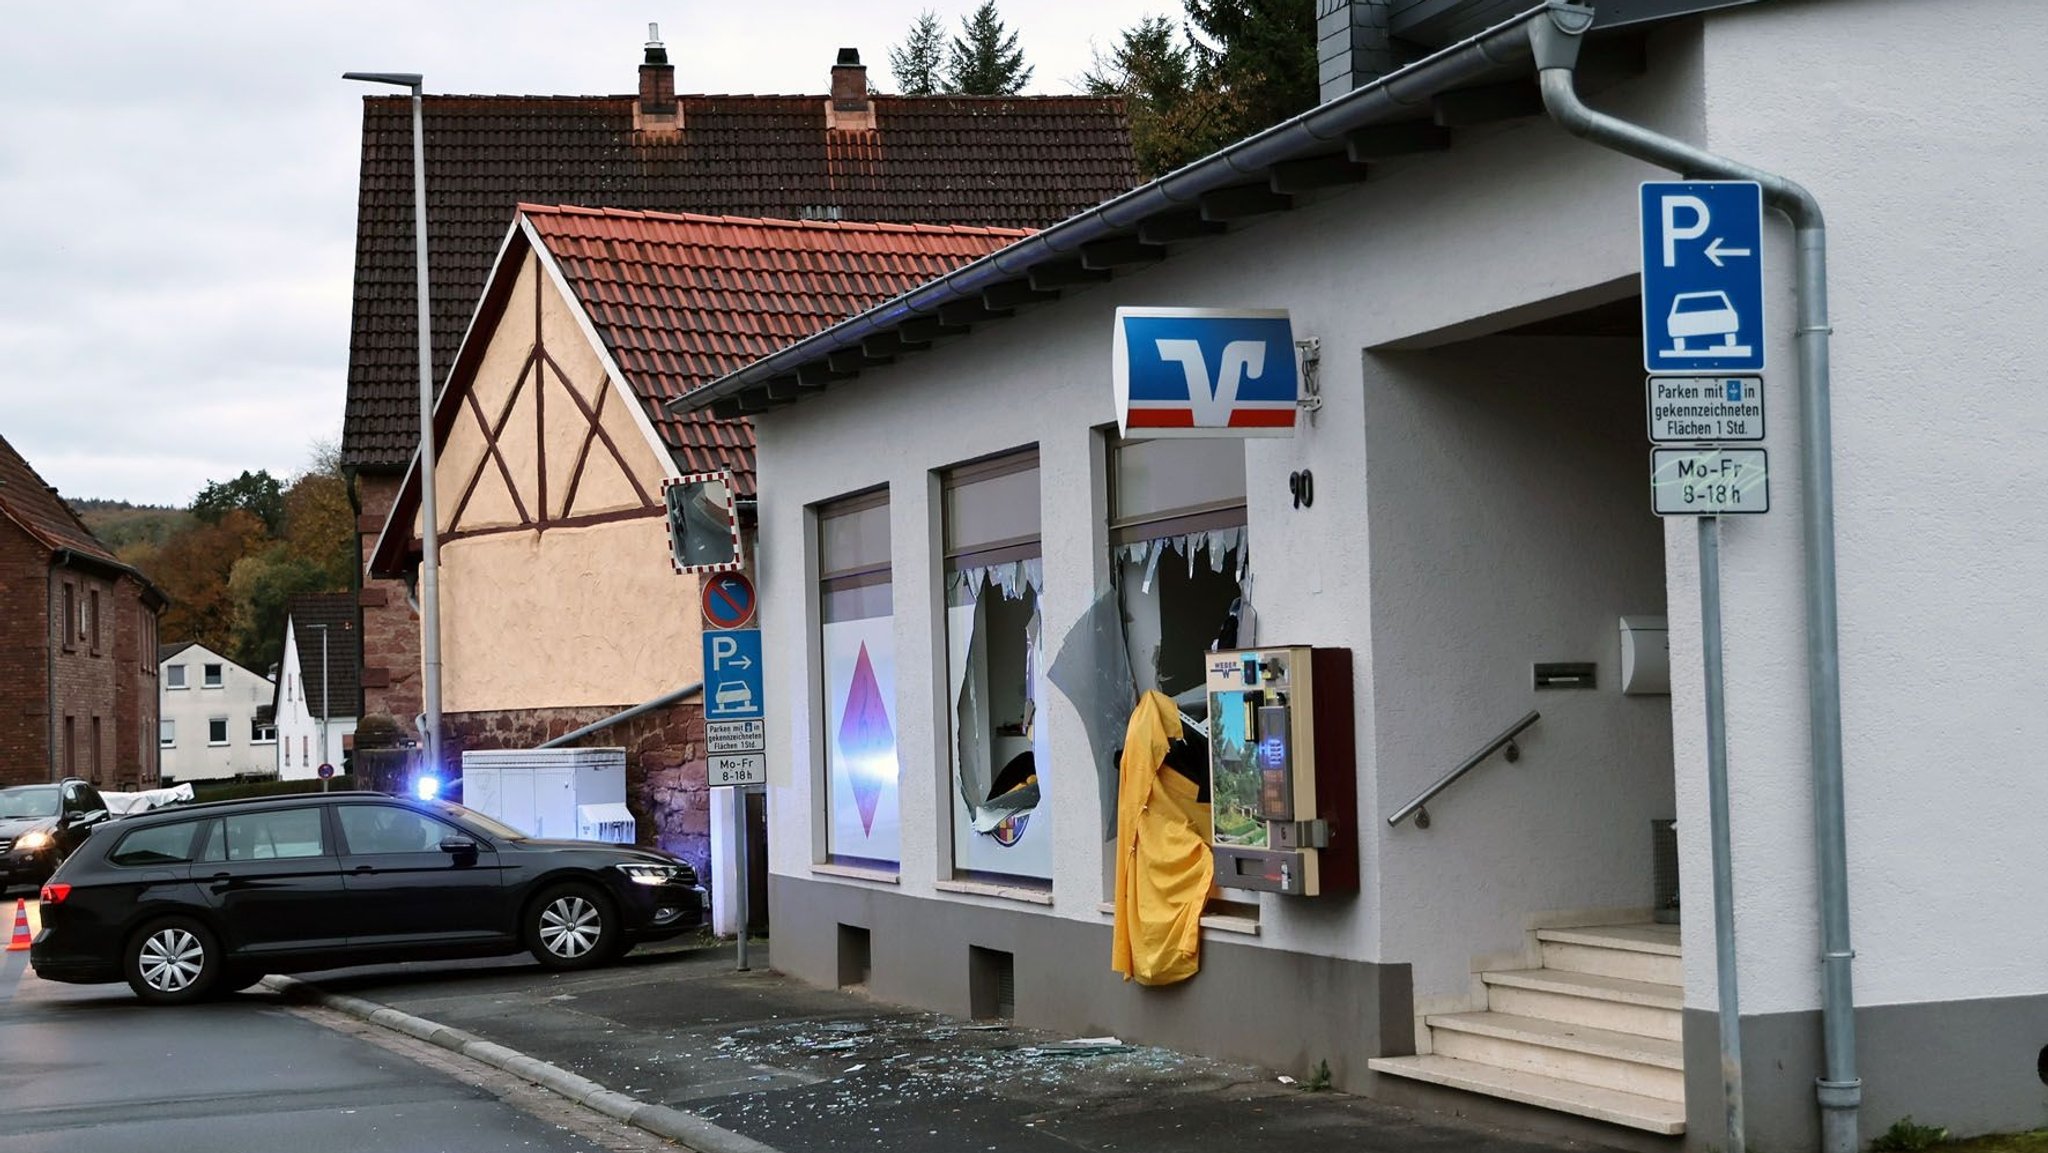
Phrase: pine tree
x=986 y=60
x=1263 y=52
x=919 y=62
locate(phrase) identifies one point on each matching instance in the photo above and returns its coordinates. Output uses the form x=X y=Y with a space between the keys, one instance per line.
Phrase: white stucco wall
x=298 y=727
x=1935 y=285
x=192 y=757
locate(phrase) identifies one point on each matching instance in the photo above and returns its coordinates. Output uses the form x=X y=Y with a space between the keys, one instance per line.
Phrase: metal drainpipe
x=1555 y=42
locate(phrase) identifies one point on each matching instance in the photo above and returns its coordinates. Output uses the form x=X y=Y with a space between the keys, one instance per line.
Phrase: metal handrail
x=1507 y=737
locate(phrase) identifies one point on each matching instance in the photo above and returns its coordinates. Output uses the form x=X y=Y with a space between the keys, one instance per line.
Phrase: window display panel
x=857 y=639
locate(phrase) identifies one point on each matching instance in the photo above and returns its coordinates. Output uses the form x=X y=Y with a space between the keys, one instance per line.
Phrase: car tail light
x=55 y=892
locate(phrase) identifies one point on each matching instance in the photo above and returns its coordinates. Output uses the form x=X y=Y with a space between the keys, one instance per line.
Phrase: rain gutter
x=1409 y=90
x=1555 y=43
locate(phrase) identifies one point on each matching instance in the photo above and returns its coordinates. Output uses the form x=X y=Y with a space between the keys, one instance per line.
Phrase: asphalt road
x=91 y=1068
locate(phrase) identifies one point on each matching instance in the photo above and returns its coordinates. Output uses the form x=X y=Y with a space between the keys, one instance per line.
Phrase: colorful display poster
x=861 y=766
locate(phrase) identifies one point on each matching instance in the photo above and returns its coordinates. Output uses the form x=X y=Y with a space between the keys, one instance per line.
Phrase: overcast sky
x=178 y=184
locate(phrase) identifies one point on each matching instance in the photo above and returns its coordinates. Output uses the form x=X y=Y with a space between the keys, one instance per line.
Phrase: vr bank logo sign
x=1205 y=372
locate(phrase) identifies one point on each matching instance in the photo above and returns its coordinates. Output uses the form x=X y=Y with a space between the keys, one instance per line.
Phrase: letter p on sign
x=1673 y=233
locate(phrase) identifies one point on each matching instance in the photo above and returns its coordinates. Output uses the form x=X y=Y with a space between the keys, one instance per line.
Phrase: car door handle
x=359 y=870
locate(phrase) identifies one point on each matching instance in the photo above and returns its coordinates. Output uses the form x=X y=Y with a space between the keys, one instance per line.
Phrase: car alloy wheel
x=570 y=927
x=171 y=960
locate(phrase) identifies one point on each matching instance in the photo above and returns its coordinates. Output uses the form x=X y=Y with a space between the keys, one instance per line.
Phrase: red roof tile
x=1004 y=161
x=681 y=300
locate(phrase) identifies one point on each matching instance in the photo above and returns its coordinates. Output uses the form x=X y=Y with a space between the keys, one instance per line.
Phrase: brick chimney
x=850 y=109
x=657 y=111
x=1352 y=44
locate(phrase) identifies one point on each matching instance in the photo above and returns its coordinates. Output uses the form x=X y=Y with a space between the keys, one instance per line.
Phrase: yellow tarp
x=1163 y=867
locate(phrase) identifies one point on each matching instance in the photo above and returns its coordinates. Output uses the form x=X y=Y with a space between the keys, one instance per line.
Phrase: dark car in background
x=209 y=898
x=40 y=825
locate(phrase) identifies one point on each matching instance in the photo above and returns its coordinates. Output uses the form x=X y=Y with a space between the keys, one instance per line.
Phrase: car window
x=163 y=845
x=89 y=799
x=28 y=801
x=274 y=834
x=390 y=829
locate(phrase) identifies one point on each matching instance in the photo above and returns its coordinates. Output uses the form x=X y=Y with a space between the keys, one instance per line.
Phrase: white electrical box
x=563 y=793
x=1645 y=656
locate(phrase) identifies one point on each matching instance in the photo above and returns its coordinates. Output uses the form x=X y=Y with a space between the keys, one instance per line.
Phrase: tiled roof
x=682 y=300
x=166 y=652
x=344 y=649
x=998 y=161
x=37 y=508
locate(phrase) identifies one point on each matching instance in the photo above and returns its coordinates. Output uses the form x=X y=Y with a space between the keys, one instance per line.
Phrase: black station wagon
x=201 y=899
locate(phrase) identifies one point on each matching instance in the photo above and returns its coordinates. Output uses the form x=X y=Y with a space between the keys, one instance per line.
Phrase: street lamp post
x=326 y=751
x=430 y=566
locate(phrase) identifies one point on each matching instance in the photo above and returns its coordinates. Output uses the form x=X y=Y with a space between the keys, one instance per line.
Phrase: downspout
x=660 y=702
x=1555 y=42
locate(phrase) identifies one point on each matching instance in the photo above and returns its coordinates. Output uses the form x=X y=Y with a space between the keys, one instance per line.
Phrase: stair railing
x=1416 y=808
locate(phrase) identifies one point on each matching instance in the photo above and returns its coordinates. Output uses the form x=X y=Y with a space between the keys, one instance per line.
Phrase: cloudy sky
x=178 y=182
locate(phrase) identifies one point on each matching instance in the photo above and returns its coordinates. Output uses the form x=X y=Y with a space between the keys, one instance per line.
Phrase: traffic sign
x=732 y=674
x=1709 y=481
x=1703 y=277
x=728 y=600
x=325 y=771
x=735 y=736
x=738 y=769
x=1692 y=409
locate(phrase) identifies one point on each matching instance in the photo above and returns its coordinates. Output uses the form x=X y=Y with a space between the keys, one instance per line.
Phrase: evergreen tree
x=919 y=62
x=986 y=60
x=1263 y=52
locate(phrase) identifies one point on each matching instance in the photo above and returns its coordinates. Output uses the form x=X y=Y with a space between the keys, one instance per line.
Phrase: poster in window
x=860 y=739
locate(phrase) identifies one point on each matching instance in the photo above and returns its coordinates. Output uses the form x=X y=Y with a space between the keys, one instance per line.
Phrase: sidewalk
x=802 y=1069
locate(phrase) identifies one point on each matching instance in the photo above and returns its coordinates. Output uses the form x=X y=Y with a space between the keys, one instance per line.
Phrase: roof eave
x=1318 y=131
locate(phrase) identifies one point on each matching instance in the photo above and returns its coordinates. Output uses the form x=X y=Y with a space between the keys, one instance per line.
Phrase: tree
x=256 y=493
x=193 y=569
x=986 y=60
x=918 y=64
x=1154 y=70
x=1261 y=51
x=315 y=553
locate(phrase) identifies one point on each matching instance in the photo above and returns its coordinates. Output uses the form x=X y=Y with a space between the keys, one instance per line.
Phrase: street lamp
x=326 y=751
x=430 y=575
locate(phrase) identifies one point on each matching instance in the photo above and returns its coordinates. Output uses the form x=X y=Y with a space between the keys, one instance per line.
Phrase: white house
x=1469 y=509
x=213 y=722
x=317 y=696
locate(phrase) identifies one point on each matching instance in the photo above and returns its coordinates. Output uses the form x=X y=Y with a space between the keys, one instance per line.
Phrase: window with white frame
x=216 y=730
x=174 y=676
x=857 y=646
x=213 y=676
x=262 y=732
x=167 y=733
x=995 y=655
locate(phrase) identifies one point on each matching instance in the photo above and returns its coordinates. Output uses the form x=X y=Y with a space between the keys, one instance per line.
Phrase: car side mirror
x=79 y=820
x=458 y=846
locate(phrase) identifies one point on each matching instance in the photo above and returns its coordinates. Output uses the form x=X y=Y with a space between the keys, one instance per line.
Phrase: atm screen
x=1274 y=756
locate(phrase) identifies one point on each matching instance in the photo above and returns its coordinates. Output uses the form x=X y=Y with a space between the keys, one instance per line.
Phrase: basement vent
x=991 y=984
x=856 y=956
x=1664 y=871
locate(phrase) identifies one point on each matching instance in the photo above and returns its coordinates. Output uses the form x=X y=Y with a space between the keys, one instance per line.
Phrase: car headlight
x=40 y=839
x=649 y=874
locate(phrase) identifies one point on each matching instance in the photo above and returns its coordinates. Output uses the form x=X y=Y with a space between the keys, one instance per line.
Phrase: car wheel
x=174 y=961
x=572 y=926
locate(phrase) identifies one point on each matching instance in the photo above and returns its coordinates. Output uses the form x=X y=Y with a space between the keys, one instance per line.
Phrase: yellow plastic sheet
x=1163 y=866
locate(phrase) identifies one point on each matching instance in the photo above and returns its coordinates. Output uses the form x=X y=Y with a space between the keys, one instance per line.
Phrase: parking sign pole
x=742 y=875
x=1717 y=820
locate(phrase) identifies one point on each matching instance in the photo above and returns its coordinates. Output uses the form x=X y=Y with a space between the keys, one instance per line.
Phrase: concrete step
x=1650 y=1114
x=1632 y=952
x=1615 y=1004
x=1625 y=1062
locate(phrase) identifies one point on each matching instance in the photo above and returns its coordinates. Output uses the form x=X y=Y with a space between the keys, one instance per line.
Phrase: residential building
x=1012 y=162
x=560 y=603
x=315 y=699
x=1467 y=513
x=77 y=645
x=217 y=723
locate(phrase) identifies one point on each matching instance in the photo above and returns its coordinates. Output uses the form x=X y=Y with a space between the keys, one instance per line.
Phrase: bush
x=1906 y=1137
x=243 y=790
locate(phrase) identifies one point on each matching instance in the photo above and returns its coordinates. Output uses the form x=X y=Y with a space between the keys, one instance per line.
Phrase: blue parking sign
x=732 y=674
x=1703 y=276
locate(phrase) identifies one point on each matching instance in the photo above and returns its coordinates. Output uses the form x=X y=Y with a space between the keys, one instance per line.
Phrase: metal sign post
x=736 y=736
x=1717 y=820
x=745 y=879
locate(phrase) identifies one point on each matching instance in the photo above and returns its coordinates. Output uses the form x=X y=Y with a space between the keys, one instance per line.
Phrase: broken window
x=995 y=657
x=858 y=645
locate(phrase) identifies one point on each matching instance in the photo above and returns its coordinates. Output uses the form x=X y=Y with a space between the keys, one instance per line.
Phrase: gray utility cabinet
x=558 y=793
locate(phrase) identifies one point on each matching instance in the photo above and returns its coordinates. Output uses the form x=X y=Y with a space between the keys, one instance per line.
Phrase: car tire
x=173 y=961
x=572 y=926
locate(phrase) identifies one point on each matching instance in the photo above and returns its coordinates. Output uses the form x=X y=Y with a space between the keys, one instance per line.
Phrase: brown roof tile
x=37 y=508
x=344 y=650
x=995 y=161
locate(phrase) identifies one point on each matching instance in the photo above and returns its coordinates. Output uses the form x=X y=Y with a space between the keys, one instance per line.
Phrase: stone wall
x=665 y=765
x=391 y=629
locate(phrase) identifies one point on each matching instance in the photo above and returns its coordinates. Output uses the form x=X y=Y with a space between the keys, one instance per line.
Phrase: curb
x=694 y=1132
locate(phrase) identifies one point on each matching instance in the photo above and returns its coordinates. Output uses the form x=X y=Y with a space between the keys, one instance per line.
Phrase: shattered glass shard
x=866 y=740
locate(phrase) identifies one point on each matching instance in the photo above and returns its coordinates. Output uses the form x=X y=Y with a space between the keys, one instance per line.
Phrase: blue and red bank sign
x=1205 y=372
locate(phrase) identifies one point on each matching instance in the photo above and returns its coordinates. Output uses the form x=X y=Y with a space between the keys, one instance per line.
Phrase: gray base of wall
x=1284 y=1010
x=1970 y=1066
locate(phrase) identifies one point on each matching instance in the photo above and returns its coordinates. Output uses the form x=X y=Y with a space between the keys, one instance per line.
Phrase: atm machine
x=1283 y=771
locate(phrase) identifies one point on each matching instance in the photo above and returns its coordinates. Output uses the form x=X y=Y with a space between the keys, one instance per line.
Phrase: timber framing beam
x=1245 y=200
x=1065 y=274
x=1120 y=253
x=1177 y=226
x=1487 y=104
x=963 y=314
x=1293 y=176
x=1014 y=293
x=1387 y=141
x=818 y=375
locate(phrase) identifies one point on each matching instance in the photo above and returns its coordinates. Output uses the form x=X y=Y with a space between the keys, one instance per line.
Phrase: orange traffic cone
x=20 y=940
